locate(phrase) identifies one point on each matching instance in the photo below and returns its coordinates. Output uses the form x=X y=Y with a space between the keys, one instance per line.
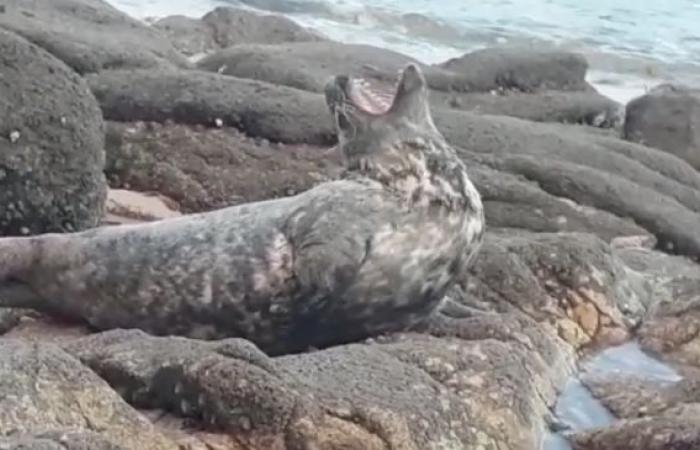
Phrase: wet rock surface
x=667 y=118
x=522 y=69
x=571 y=283
x=51 y=144
x=657 y=191
x=224 y=27
x=674 y=429
x=203 y=169
x=502 y=84
x=89 y=35
x=43 y=389
x=277 y=113
x=322 y=398
x=68 y=439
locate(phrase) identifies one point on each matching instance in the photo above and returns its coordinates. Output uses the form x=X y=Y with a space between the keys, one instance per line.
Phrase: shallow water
x=579 y=410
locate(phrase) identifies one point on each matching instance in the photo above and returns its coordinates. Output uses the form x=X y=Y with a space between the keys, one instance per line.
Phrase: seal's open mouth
x=369 y=98
x=358 y=94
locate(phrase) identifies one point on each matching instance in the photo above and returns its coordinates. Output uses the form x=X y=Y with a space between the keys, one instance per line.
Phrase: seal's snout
x=412 y=79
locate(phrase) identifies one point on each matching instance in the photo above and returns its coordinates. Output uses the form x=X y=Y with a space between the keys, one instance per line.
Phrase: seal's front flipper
x=17 y=254
x=17 y=295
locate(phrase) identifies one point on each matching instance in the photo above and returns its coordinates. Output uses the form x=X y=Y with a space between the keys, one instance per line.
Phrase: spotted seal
x=371 y=253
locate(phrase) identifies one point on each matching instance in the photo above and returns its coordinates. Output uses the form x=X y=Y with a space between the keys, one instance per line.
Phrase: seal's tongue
x=370 y=99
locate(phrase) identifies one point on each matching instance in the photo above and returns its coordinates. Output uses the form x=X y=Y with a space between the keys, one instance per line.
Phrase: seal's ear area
x=411 y=101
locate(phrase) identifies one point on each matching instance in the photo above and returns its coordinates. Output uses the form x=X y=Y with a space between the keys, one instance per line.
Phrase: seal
x=370 y=253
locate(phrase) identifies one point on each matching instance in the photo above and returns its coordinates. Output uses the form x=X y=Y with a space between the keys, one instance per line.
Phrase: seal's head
x=391 y=138
x=371 y=122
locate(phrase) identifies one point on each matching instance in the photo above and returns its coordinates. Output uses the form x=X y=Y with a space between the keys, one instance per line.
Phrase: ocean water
x=631 y=45
x=579 y=410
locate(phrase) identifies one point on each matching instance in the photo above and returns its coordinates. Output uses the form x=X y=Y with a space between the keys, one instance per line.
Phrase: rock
x=578 y=107
x=259 y=109
x=225 y=26
x=205 y=169
x=34 y=327
x=658 y=191
x=668 y=118
x=11 y=317
x=671 y=328
x=51 y=176
x=308 y=66
x=521 y=69
x=89 y=35
x=190 y=36
x=514 y=202
x=425 y=392
x=675 y=429
x=42 y=389
x=132 y=207
x=67 y=439
x=634 y=242
x=416 y=24
x=629 y=397
x=570 y=283
x=668 y=219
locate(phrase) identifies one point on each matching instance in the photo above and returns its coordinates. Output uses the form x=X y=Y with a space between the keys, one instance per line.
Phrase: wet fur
x=372 y=253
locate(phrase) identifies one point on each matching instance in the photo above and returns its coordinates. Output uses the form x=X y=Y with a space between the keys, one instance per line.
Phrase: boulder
x=571 y=283
x=225 y=26
x=658 y=191
x=67 y=439
x=51 y=144
x=668 y=118
x=11 y=317
x=259 y=109
x=309 y=65
x=574 y=107
x=512 y=201
x=631 y=397
x=190 y=36
x=204 y=169
x=521 y=69
x=407 y=391
x=675 y=429
x=124 y=206
x=671 y=328
x=43 y=390
x=89 y=35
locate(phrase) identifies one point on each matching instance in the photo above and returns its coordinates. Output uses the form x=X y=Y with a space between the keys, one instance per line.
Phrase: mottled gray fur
x=371 y=253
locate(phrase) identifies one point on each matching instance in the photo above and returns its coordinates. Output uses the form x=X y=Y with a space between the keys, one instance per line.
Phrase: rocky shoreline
x=592 y=239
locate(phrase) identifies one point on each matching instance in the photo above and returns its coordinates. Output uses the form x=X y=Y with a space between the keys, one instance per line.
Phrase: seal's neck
x=425 y=173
